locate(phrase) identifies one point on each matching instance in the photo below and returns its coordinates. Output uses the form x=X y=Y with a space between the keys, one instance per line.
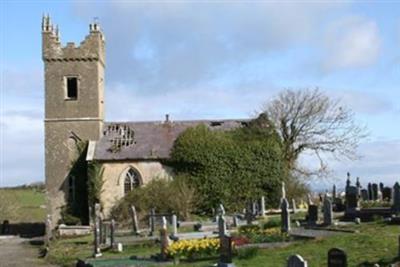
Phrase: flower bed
x=256 y=234
x=194 y=249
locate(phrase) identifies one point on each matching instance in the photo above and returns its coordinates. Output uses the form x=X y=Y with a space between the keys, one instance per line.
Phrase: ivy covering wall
x=231 y=167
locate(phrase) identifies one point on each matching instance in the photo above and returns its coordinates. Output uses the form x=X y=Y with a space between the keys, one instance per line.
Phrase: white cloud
x=351 y=42
x=185 y=43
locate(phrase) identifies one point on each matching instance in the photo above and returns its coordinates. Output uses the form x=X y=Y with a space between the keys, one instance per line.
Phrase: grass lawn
x=27 y=205
x=375 y=242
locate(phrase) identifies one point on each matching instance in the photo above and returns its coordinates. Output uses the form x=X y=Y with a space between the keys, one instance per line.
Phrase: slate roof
x=148 y=140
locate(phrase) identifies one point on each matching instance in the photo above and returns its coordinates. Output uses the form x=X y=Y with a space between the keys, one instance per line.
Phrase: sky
x=211 y=60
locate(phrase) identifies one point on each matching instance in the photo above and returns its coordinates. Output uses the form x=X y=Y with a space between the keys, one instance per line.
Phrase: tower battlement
x=90 y=49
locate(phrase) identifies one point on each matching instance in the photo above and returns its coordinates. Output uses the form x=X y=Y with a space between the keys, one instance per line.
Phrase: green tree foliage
x=166 y=196
x=231 y=167
x=76 y=210
x=95 y=183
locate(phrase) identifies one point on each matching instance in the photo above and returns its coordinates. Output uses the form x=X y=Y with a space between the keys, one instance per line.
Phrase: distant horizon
x=211 y=60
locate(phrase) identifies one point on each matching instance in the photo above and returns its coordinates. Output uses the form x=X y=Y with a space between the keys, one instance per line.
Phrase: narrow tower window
x=72 y=87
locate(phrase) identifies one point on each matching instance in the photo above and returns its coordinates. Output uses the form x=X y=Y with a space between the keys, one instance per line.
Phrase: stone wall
x=114 y=175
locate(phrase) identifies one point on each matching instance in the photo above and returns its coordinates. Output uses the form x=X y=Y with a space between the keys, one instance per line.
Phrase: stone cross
x=337 y=258
x=285 y=216
x=135 y=222
x=112 y=233
x=174 y=220
x=396 y=197
x=263 y=206
x=296 y=261
x=328 y=215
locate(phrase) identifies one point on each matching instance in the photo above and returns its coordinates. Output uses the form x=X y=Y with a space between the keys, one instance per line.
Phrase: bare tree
x=309 y=120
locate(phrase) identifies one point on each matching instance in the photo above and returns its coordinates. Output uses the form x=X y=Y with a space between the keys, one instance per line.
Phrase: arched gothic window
x=132 y=180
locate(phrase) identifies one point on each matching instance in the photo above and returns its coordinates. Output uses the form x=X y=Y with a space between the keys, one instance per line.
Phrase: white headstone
x=296 y=261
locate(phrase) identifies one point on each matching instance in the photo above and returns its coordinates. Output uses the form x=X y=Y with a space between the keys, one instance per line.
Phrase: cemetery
x=317 y=233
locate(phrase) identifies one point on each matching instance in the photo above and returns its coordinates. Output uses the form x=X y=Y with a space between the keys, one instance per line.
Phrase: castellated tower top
x=90 y=49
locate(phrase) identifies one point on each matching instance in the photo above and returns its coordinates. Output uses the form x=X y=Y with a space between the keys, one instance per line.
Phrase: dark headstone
x=312 y=214
x=364 y=194
x=328 y=215
x=337 y=258
x=285 y=216
x=370 y=193
x=112 y=233
x=374 y=191
x=5 y=229
x=381 y=186
x=351 y=198
x=225 y=258
x=387 y=193
x=396 y=197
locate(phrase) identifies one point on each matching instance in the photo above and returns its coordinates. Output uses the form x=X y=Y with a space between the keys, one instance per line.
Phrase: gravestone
x=254 y=208
x=370 y=194
x=396 y=197
x=296 y=261
x=221 y=210
x=334 y=192
x=135 y=222
x=225 y=252
x=387 y=193
x=248 y=213
x=97 y=251
x=285 y=216
x=351 y=198
x=337 y=258
x=164 y=239
x=364 y=194
x=374 y=191
x=152 y=218
x=174 y=225
x=221 y=226
x=262 y=204
x=112 y=233
x=381 y=186
x=328 y=215
x=49 y=233
x=312 y=215
x=358 y=185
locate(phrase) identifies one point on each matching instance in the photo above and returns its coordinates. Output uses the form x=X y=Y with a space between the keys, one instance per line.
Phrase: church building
x=131 y=153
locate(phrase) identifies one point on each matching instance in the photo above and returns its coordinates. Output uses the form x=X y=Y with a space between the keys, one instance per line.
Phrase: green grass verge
x=27 y=204
x=374 y=243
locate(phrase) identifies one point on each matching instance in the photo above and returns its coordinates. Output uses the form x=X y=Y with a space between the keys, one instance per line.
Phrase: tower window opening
x=72 y=87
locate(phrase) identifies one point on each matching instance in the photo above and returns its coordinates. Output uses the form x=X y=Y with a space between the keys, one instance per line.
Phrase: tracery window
x=132 y=180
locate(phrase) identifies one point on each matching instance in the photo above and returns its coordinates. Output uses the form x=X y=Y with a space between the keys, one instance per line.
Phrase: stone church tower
x=74 y=106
